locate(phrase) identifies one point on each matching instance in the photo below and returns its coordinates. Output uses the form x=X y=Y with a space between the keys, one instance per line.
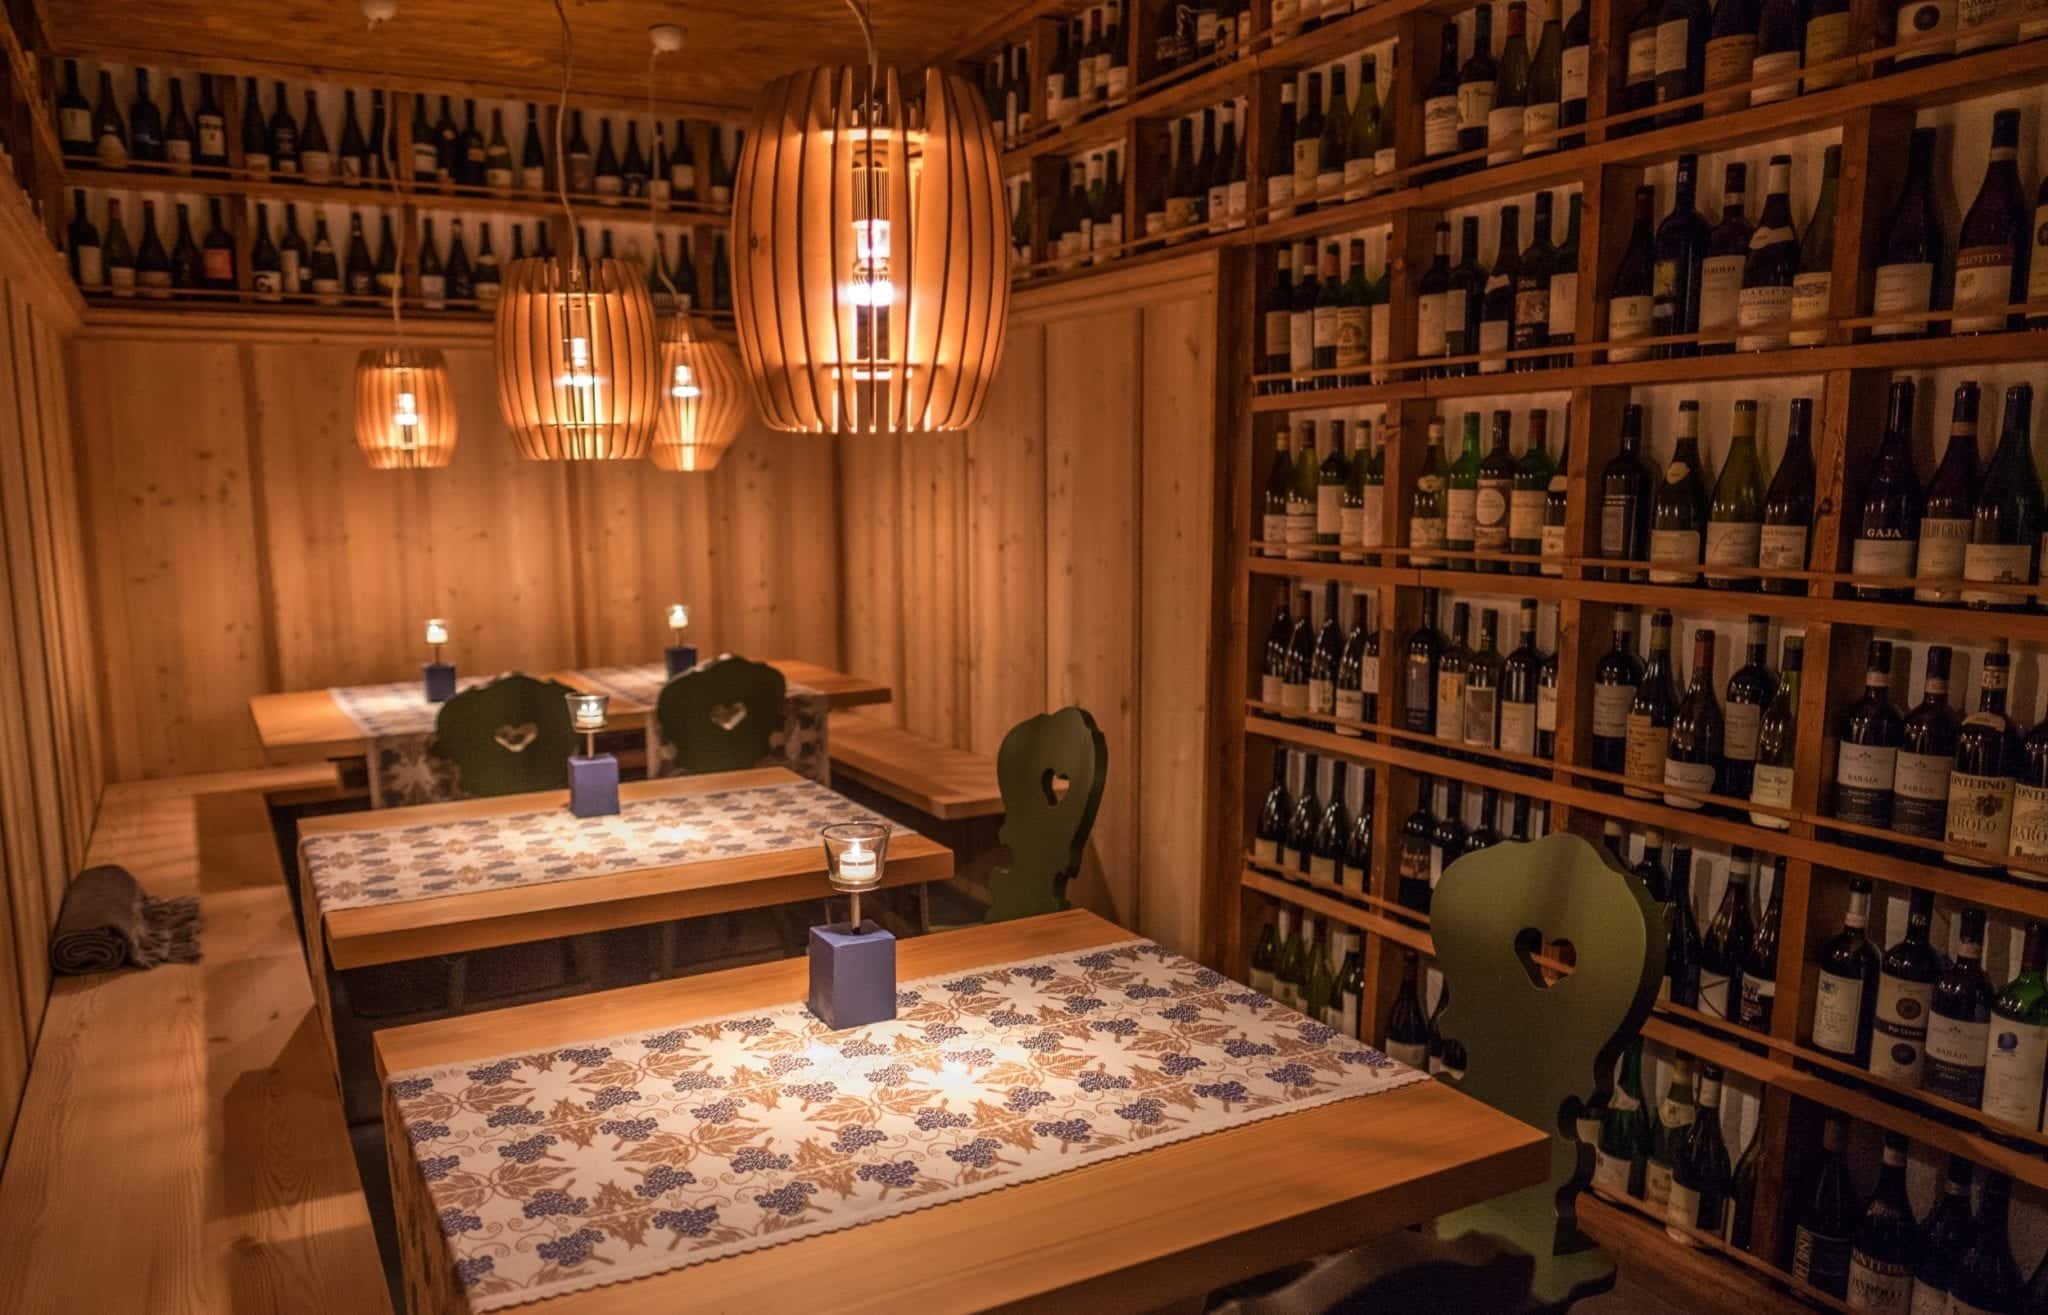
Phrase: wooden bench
x=937 y=780
x=181 y=1148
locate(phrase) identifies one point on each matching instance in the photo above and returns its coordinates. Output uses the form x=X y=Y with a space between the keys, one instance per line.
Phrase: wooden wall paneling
x=173 y=530
x=870 y=565
x=1093 y=470
x=645 y=539
x=777 y=537
x=932 y=482
x=1178 y=527
x=1006 y=548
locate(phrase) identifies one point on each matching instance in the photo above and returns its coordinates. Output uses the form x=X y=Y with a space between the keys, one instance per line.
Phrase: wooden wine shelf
x=1708 y=1277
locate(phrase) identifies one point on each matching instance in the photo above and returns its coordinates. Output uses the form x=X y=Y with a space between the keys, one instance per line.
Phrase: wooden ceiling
x=732 y=47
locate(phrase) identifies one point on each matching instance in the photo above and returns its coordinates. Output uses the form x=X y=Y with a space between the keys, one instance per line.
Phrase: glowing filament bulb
x=406 y=413
x=686 y=384
x=578 y=374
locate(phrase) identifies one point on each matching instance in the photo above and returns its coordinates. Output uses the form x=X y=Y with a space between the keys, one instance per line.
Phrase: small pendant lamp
x=704 y=397
x=405 y=409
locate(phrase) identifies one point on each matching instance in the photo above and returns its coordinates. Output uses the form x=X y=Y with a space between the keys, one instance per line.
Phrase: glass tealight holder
x=593 y=777
x=680 y=656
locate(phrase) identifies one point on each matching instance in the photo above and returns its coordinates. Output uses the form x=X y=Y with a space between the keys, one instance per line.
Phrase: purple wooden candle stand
x=593 y=785
x=853 y=975
x=681 y=657
x=440 y=681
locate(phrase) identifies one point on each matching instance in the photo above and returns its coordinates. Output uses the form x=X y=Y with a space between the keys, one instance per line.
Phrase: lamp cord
x=387 y=147
x=653 y=204
x=868 y=116
x=562 y=160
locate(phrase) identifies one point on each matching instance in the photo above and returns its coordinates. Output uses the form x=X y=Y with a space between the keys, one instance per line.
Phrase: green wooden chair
x=721 y=716
x=510 y=736
x=1045 y=828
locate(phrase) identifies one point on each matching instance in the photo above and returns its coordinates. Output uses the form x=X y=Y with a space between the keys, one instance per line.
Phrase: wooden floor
x=181 y=1148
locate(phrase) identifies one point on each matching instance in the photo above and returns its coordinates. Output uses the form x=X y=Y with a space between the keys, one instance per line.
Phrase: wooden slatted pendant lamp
x=871 y=258
x=576 y=351
x=705 y=397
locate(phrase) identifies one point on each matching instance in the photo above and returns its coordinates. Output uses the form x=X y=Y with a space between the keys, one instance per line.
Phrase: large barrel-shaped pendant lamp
x=577 y=360
x=405 y=409
x=871 y=254
x=704 y=397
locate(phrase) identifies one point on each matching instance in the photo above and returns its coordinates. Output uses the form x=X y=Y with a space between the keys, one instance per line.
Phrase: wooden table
x=1124 y=1234
x=309 y=726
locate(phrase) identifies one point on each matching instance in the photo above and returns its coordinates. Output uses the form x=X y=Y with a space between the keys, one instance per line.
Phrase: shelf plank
x=1708 y=1277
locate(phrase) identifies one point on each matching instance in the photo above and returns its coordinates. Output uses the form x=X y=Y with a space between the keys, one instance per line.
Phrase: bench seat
x=935 y=779
x=181 y=1148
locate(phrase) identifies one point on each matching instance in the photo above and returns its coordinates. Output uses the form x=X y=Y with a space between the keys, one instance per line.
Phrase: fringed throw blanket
x=108 y=920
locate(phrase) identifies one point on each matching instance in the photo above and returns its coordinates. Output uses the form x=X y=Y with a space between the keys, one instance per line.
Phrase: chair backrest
x=721 y=716
x=1544 y=1053
x=509 y=736
x=1045 y=829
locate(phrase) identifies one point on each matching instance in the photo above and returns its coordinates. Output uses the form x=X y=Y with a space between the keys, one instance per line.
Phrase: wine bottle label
x=1480 y=717
x=90 y=270
x=1450 y=707
x=1294 y=697
x=121 y=280
x=1827 y=38
x=1383 y=163
x=1322 y=869
x=1682 y=1206
x=1493 y=339
x=1782 y=548
x=1645 y=750
x=2029 y=825
x=1610 y=710
x=1740 y=724
x=1440 y=126
x=1610 y=1174
x=1475 y=105
x=1927 y=1298
x=1572 y=69
x=1674 y=42
x=1414 y=1054
x=1695 y=777
x=268 y=282
x=74 y=125
x=1973 y=17
x=2037 y=271
x=1517 y=727
x=1329 y=511
x=1562 y=305
x=1763 y=319
x=1525 y=515
x=218 y=264
x=1262 y=978
x=1675 y=1114
x=1532 y=312
x=433 y=286
x=1780 y=70
x=1898 y=1042
x=1414 y=863
x=1279 y=346
x=1322 y=696
x=1553 y=549
x=1728 y=63
x=178 y=150
x=2015 y=1058
x=1955 y=1058
x=1771 y=787
x=1269 y=688
x=1920 y=786
x=1369 y=674
x=1546 y=708
x=1882 y=557
x=1863 y=783
x=1426 y=532
x=1503 y=133
x=1329 y=182
x=318 y=166
x=1617 y=513
x=1901 y=289
x=534 y=179
x=1997 y=563
x=1671 y=550
x=1820 y=1260
x=1345 y=1014
x=1810 y=296
x=111 y=150
x=425 y=161
x=1944 y=542
x=1351 y=704
x=1373 y=519
x=1301 y=330
x=1323 y=328
x=1308 y=159
x=1462 y=517
x=1713 y=1000
x=1759 y=997
x=1301 y=528
x=1629 y=317
x=1538 y=122
x=1983 y=282
x=1351 y=533
x=1490 y=515
x=1657 y=1186
x=1351 y=337
x=1273 y=529
x=1880 y=1285
x=1119 y=81
x=1720 y=292
x=487 y=293
x=1980 y=812
x=1180 y=213
x=1381 y=334
x=1732 y=543
x=1837 y=1013
x=1455 y=331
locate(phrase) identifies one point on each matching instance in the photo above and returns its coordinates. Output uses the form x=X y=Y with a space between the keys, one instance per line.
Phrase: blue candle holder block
x=681 y=657
x=440 y=681
x=853 y=975
x=593 y=785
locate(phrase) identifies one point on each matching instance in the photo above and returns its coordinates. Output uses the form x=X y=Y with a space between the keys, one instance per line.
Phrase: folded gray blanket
x=108 y=920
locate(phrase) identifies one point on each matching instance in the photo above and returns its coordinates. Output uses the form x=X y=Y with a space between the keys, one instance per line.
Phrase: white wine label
x=2029 y=824
x=1564 y=304
x=1763 y=319
x=1629 y=317
x=90 y=271
x=533 y=180
x=1503 y=133
x=1997 y=563
x=1901 y=289
x=1610 y=1174
x=1771 y=788
x=1369 y=674
x=1973 y=17
x=1610 y=710
x=1480 y=717
x=1414 y=1054
x=1351 y=704
x=1955 y=1058
x=1670 y=550
x=1279 y=344
x=1329 y=511
x=433 y=286
x=1475 y=104
x=1293 y=697
x=1811 y=293
x=1983 y=282
x=1273 y=529
x=1269 y=688
x=1301 y=334
x=1322 y=696
x=1351 y=336
x=1944 y=542
x=1553 y=549
x=1682 y=1206
x=268 y=282
x=1532 y=305
x=1322 y=869
x=1673 y=46
x=1657 y=1186
x=1882 y=557
x=1525 y=515
x=1720 y=291
x=1493 y=338
x=1351 y=533
x=1920 y=784
x=1450 y=707
x=1782 y=548
x=1280 y=192
x=1425 y=532
x=1572 y=74
x=1728 y=63
x=1357 y=176
x=1782 y=67
x=1456 y=320
x=1546 y=708
x=1380 y=337
x=1980 y=812
x=121 y=278
x=1518 y=727
x=318 y=166
x=1695 y=777
x=2037 y=272
x=1490 y=517
x=1262 y=978
x=1881 y=1286
x=74 y=125
x=1373 y=528
x=2015 y=1058
x=1740 y=723
x=1898 y=1041
x=1538 y=121
x=1429 y=325
x=1308 y=159
x=1837 y=1013
x=1827 y=38
x=1867 y=768
x=1461 y=518
x=1383 y=162
x=178 y=150
x=1323 y=327
x=1732 y=543
x=1646 y=749
x=1713 y=994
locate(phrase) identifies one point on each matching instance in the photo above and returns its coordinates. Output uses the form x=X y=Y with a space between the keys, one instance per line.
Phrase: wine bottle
x=1987 y=1280
x=1987 y=763
x=1540 y=108
x=1351 y=500
x=1615 y=680
x=1432 y=319
x=1731 y=50
x=1763 y=313
x=152 y=263
x=1675 y=1114
x=1626 y=498
x=1692 y=760
x=1300 y=658
x=1725 y=947
x=119 y=259
x=1944 y=1236
x=1552 y=545
x=109 y=129
x=1950 y=511
x=1511 y=94
x=266 y=263
x=1631 y=300
x=1461 y=498
x=1308 y=811
x=1270 y=835
x=1622 y=1154
x=1927 y=749
x=1347 y=988
x=1301 y=497
x=1959 y=1020
x=1910 y=250
x=316 y=161
x=284 y=136
x=1354 y=322
x=1421 y=664
x=1429 y=506
x=1639 y=87
x=1465 y=303
x=1889 y=510
x=433 y=279
x=1788 y=506
x=1529 y=500
x=1301 y=334
x=533 y=169
x=1331 y=478
x=1905 y=996
x=1993 y=244
x=88 y=265
x=1412 y=879
x=1308 y=144
x=74 y=118
x=1358 y=847
x=461 y=281
x=1450 y=678
x=1359 y=167
x=2016 y=1050
x=1273 y=670
x=1777 y=741
x=1735 y=512
x=1334 y=147
x=1758 y=992
x=1407 y=1027
x=1546 y=707
x=1813 y=285
x=255 y=140
x=1293 y=963
x=1563 y=325
x=1495 y=492
x=324 y=271
x=1779 y=37
x=1360 y=648
x=178 y=134
x=2030 y=805
x=1887 y=1241
x=1845 y=1000
x=1678 y=511
x=1531 y=328
x=2006 y=520
x=1265 y=955
x=1867 y=747
x=1273 y=499
x=1519 y=677
x=1446 y=835
x=1751 y=691
x=1682 y=946
x=1827 y=40
x=1681 y=253
x=1681 y=57
x=145 y=123
x=1326 y=859
x=1478 y=84
x=1701 y=1175
x=1329 y=651
x=1726 y=258
x=1650 y=715
x=1481 y=717
x=1827 y=1218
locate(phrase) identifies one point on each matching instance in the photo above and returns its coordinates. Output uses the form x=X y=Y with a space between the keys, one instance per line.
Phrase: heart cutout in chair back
x=728 y=716
x=1055 y=784
x=515 y=739
x=1546 y=961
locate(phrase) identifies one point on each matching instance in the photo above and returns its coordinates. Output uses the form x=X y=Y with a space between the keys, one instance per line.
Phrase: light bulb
x=578 y=374
x=407 y=411
x=685 y=385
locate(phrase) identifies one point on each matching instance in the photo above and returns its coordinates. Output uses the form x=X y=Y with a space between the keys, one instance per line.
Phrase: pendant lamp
x=871 y=255
x=704 y=398
x=405 y=409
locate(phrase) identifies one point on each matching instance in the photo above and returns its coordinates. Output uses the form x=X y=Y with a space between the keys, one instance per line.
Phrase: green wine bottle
x=1301 y=499
x=1678 y=509
x=1813 y=285
x=1462 y=497
x=2005 y=532
x=1330 y=481
x=1429 y=506
x=1735 y=513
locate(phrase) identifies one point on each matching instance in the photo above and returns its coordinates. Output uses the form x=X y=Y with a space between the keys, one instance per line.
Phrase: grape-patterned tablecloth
x=626 y=1156
x=388 y=865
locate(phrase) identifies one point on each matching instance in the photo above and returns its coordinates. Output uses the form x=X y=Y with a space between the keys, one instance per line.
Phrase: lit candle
x=587 y=711
x=678 y=619
x=437 y=631
x=857 y=864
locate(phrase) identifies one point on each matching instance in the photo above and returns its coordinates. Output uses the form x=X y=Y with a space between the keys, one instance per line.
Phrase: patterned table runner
x=399 y=708
x=590 y=1164
x=352 y=869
